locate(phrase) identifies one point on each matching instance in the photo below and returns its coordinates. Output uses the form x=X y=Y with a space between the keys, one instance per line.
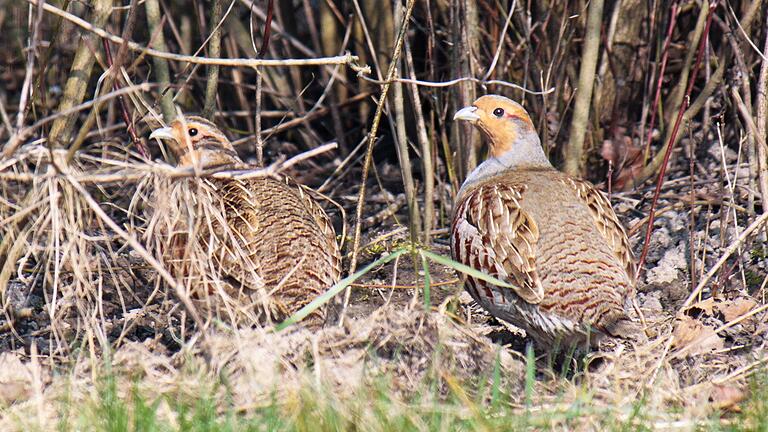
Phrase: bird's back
x=583 y=280
x=287 y=237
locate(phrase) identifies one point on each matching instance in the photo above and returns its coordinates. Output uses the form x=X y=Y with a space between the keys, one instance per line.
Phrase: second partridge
x=287 y=241
x=554 y=238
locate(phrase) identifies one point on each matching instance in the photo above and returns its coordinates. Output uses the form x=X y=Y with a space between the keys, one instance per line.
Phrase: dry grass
x=251 y=369
x=109 y=311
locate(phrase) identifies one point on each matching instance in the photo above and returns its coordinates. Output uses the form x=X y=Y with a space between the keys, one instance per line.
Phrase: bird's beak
x=467 y=113
x=162 y=133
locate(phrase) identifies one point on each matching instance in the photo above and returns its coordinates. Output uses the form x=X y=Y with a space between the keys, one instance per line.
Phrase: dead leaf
x=625 y=156
x=736 y=308
x=727 y=397
x=695 y=338
x=706 y=307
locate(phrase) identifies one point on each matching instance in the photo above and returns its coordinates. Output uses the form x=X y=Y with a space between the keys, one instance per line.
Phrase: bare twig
x=457 y=81
x=673 y=136
x=259 y=79
x=30 y=69
x=214 y=50
x=762 y=125
x=724 y=257
x=18 y=138
x=712 y=84
x=372 y=139
x=161 y=65
x=427 y=167
x=299 y=120
x=348 y=59
x=574 y=150
x=660 y=78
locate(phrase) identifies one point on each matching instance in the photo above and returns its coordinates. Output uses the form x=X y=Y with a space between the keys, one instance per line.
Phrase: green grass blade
x=335 y=289
x=530 y=375
x=477 y=274
x=496 y=386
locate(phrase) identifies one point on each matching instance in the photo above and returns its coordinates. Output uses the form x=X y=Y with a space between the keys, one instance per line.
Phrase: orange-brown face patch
x=193 y=135
x=501 y=120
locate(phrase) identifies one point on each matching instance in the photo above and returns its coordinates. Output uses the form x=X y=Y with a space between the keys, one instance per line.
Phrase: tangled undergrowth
x=135 y=333
x=108 y=323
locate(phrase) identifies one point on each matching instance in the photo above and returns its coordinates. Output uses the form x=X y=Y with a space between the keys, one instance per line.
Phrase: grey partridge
x=286 y=242
x=553 y=238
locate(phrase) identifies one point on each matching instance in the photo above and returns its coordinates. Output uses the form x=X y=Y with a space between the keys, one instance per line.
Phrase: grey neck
x=526 y=153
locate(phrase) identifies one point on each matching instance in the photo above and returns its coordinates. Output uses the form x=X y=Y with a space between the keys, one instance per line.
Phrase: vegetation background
x=662 y=103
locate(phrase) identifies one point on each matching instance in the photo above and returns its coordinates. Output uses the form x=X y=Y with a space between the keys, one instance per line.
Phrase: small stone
x=668 y=268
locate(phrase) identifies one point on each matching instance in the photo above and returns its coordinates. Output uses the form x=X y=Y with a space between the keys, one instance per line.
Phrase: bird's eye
x=498 y=112
x=192 y=132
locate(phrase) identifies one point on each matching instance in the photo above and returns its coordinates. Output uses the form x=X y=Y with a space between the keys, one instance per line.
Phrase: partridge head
x=508 y=128
x=554 y=238
x=195 y=140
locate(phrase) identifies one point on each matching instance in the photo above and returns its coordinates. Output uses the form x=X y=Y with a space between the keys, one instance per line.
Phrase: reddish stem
x=123 y=106
x=660 y=79
x=267 y=29
x=668 y=152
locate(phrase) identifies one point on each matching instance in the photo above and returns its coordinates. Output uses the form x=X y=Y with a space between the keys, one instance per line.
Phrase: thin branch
x=372 y=138
x=675 y=129
x=574 y=150
x=723 y=258
x=18 y=138
x=456 y=81
x=349 y=60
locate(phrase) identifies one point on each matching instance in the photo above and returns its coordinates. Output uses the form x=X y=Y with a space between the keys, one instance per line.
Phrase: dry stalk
x=214 y=50
x=736 y=245
x=745 y=109
x=75 y=88
x=403 y=156
x=673 y=138
x=139 y=248
x=161 y=65
x=427 y=168
x=762 y=126
x=574 y=150
x=348 y=60
x=372 y=141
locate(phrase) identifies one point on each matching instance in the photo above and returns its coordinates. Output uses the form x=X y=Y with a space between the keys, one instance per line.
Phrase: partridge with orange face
x=285 y=242
x=554 y=238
